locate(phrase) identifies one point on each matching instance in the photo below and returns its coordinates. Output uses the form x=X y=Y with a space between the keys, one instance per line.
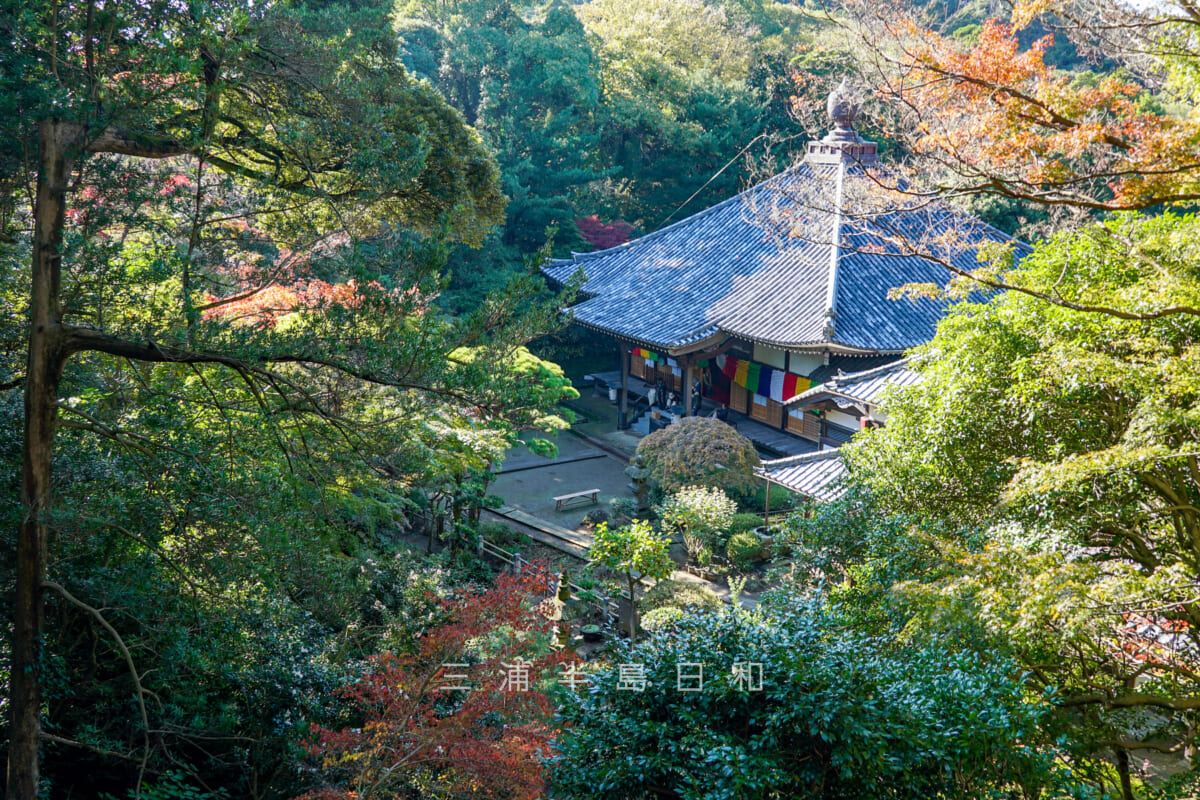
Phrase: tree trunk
x=632 y=610
x=57 y=145
x=1123 y=772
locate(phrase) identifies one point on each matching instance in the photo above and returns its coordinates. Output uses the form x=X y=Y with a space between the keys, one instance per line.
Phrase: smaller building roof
x=863 y=387
x=816 y=475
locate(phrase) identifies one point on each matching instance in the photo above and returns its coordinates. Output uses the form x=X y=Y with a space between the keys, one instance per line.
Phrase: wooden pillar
x=687 y=387
x=767 y=506
x=624 y=413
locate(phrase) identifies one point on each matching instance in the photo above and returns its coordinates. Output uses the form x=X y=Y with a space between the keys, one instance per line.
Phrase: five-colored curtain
x=777 y=384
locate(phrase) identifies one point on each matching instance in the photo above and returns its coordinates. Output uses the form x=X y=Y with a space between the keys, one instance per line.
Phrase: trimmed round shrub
x=679 y=594
x=744 y=549
x=701 y=451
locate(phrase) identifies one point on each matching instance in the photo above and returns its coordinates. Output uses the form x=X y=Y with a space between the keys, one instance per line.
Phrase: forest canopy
x=272 y=316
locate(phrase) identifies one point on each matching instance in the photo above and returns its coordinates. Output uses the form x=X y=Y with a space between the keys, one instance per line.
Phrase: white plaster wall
x=843 y=419
x=804 y=363
x=769 y=356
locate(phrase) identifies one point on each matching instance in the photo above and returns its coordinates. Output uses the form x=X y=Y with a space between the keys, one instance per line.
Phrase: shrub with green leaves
x=661 y=618
x=744 y=549
x=744 y=522
x=840 y=715
x=781 y=500
x=679 y=594
x=700 y=513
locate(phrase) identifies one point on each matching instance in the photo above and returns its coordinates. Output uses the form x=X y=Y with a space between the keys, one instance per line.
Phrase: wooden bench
x=576 y=498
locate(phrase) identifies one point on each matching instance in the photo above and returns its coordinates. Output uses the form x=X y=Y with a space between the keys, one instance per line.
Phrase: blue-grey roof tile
x=728 y=269
x=864 y=387
x=817 y=475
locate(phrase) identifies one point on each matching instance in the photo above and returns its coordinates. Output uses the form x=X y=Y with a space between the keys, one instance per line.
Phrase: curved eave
x=811 y=474
x=817 y=394
x=624 y=337
x=820 y=345
x=720 y=335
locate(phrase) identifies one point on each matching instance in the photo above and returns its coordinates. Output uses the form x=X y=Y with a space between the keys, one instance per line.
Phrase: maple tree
x=990 y=115
x=700 y=451
x=986 y=114
x=421 y=736
x=602 y=235
x=1041 y=484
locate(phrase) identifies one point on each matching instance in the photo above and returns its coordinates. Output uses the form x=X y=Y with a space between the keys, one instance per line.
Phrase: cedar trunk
x=57 y=142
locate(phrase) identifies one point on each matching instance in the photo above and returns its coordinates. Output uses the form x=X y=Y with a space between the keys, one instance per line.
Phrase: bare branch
x=137 y=680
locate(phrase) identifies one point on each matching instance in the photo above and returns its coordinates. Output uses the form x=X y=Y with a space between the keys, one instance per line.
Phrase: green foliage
x=264 y=378
x=1049 y=454
x=743 y=549
x=781 y=499
x=686 y=86
x=700 y=451
x=700 y=514
x=635 y=550
x=173 y=785
x=621 y=109
x=872 y=718
x=663 y=617
x=744 y=522
x=679 y=594
x=528 y=83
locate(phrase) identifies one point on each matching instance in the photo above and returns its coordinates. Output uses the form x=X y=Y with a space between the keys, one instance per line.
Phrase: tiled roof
x=839 y=365
x=729 y=269
x=816 y=475
x=863 y=387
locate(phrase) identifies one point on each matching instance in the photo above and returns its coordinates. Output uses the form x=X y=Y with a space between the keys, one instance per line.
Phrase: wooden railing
x=515 y=561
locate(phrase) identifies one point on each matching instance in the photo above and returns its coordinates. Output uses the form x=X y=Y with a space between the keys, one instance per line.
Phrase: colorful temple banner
x=641 y=352
x=739 y=370
x=776 y=390
x=776 y=384
x=752 y=373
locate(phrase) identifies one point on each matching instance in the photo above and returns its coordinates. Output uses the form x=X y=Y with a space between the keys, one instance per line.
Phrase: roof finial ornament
x=843 y=106
x=843 y=144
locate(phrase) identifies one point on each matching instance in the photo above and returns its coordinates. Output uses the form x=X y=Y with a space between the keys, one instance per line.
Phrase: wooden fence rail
x=517 y=562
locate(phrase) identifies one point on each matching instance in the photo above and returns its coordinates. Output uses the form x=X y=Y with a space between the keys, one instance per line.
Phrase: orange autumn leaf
x=1001 y=119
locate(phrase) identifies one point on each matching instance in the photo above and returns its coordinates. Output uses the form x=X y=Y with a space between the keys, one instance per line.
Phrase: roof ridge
x=699 y=215
x=829 y=331
x=883 y=369
x=788 y=461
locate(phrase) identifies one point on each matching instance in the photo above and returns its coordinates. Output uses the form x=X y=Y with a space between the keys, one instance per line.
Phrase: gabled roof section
x=861 y=387
x=816 y=475
x=727 y=270
x=713 y=271
x=804 y=260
